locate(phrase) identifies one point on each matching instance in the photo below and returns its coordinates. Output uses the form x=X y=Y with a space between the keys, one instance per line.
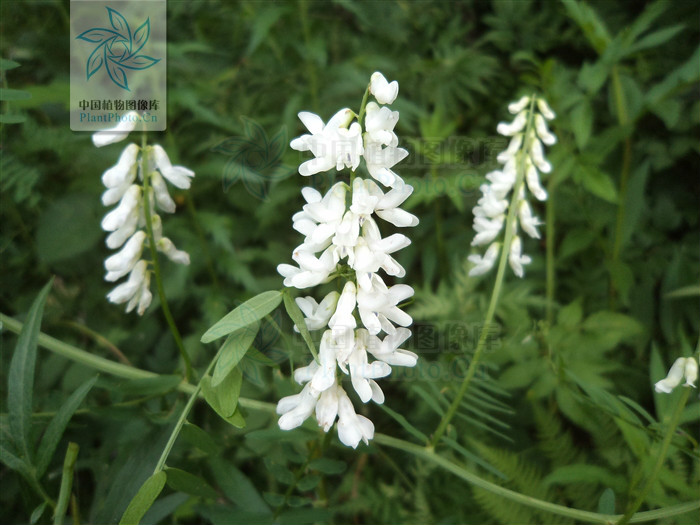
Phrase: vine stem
x=110 y=367
x=510 y=231
x=450 y=465
x=663 y=451
x=183 y=416
x=156 y=265
x=119 y=370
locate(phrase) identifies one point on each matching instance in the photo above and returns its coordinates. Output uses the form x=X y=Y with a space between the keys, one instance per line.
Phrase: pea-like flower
x=343 y=240
x=522 y=162
x=683 y=367
x=126 y=184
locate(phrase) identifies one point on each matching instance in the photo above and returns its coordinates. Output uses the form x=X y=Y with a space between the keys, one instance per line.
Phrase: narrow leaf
x=21 y=378
x=66 y=483
x=199 y=438
x=228 y=391
x=144 y=498
x=183 y=481
x=328 y=466
x=6 y=64
x=58 y=424
x=252 y=310
x=233 y=350
x=13 y=94
x=298 y=317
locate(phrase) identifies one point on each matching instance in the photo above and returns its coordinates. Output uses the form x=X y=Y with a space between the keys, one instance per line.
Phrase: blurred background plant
x=562 y=409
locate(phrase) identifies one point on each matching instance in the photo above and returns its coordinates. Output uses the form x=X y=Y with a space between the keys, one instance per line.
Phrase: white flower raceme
x=342 y=236
x=683 y=367
x=125 y=183
x=523 y=160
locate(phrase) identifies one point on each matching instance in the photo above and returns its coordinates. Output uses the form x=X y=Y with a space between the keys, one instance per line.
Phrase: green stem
x=156 y=265
x=363 y=107
x=110 y=367
x=510 y=232
x=99 y=339
x=183 y=417
x=66 y=483
x=663 y=451
x=580 y=515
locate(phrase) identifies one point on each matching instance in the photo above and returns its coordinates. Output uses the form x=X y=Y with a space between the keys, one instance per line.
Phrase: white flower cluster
x=682 y=367
x=340 y=225
x=125 y=222
x=525 y=152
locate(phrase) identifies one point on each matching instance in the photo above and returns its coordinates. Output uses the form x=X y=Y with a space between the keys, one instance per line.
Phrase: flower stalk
x=521 y=160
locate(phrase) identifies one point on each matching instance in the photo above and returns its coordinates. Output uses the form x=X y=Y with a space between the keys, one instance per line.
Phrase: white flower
x=682 y=367
x=166 y=246
x=514 y=127
x=317 y=314
x=380 y=123
x=363 y=373
x=388 y=350
x=160 y=189
x=524 y=152
x=130 y=203
x=352 y=428
x=135 y=289
x=126 y=125
x=124 y=170
x=388 y=206
x=484 y=263
x=517 y=107
x=178 y=176
x=378 y=308
x=515 y=257
x=122 y=262
x=379 y=162
x=528 y=221
x=295 y=409
x=333 y=144
x=372 y=253
x=345 y=233
x=385 y=92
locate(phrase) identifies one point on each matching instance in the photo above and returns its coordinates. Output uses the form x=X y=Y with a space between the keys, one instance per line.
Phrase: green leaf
x=144 y=498
x=655 y=39
x=279 y=471
x=12 y=118
x=228 y=390
x=297 y=317
x=199 y=438
x=275 y=500
x=252 y=310
x=14 y=463
x=606 y=503
x=233 y=350
x=309 y=482
x=598 y=183
x=13 y=94
x=212 y=397
x=582 y=122
x=592 y=26
x=582 y=473
x=37 y=513
x=183 y=481
x=328 y=466
x=21 y=377
x=6 y=65
x=58 y=424
x=237 y=487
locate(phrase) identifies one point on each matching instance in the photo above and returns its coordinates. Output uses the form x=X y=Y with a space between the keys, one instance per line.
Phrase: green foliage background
x=564 y=410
